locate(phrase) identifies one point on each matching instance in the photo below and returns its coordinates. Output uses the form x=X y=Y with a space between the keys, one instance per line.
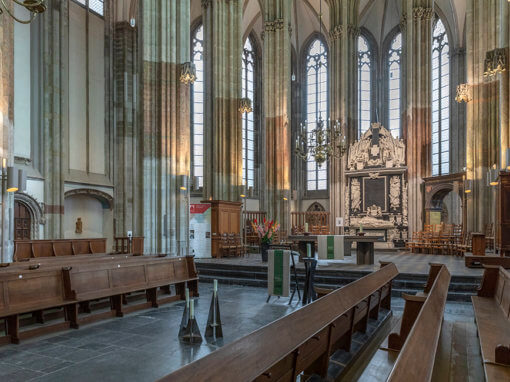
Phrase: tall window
x=440 y=100
x=394 y=85
x=316 y=106
x=364 y=85
x=96 y=6
x=248 y=91
x=197 y=105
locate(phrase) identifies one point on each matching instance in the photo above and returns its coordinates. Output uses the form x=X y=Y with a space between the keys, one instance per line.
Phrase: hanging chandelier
x=327 y=140
x=33 y=6
x=245 y=105
x=463 y=93
x=188 y=73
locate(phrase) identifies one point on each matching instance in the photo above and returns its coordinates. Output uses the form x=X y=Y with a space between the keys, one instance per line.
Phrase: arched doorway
x=22 y=221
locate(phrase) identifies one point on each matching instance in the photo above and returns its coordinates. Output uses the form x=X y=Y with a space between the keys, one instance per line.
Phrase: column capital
x=423 y=13
x=206 y=3
x=403 y=22
x=336 y=32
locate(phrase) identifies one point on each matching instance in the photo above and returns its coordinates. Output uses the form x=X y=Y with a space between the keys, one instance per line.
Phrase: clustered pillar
x=166 y=124
x=343 y=91
x=417 y=122
x=223 y=128
x=277 y=106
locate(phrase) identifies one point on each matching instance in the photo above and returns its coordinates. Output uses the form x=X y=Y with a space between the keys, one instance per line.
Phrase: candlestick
x=186 y=292
x=192 y=308
x=308 y=250
x=215 y=286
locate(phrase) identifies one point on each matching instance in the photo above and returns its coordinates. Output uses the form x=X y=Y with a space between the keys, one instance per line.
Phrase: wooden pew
x=27 y=287
x=301 y=341
x=26 y=249
x=492 y=316
x=408 y=354
x=416 y=359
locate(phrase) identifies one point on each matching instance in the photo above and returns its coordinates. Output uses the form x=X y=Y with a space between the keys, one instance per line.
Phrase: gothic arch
x=35 y=209
x=105 y=199
x=316 y=207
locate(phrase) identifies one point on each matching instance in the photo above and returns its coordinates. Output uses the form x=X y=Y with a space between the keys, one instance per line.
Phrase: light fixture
x=245 y=105
x=463 y=93
x=468 y=186
x=243 y=192
x=22 y=180
x=493 y=176
x=327 y=140
x=188 y=73
x=12 y=179
x=33 y=6
x=195 y=184
x=183 y=182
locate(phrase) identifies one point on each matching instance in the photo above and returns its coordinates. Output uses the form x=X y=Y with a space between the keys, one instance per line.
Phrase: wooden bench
x=408 y=353
x=26 y=287
x=474 y=261
x=303 y=341
x=26 y=249
x=492 y=316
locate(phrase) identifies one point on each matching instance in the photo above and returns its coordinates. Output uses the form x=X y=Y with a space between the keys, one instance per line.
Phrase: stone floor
x=143 y=346
x=406 y=262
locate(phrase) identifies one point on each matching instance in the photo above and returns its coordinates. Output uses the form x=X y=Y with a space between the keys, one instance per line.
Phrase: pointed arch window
x=440 y=100
x=316 y=105
x=395 y=85
x=365 y=66
x=197 y=106
x=249 y=134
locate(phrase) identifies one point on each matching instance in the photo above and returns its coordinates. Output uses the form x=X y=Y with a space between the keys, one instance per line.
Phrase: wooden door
x=22 y=222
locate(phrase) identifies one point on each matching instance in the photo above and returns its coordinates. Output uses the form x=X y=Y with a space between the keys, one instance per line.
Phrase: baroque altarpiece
x=376 y=186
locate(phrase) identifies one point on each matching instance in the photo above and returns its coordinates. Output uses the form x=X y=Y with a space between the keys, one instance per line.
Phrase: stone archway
x=36 y=212
x=440 y=189
x=105 y=199
x=316 y=207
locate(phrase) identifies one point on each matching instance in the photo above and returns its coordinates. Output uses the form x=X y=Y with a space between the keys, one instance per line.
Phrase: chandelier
x=245 y=105
x=495 y=62
x=188 y=73
x=463 y=93
x=327 y=140
x=33 y=6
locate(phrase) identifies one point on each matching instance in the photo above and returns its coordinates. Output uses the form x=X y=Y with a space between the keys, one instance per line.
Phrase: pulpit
x=225 y=218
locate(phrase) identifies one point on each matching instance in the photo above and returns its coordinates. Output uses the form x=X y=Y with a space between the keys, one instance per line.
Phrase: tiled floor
x=143 y=346
x=406 y=263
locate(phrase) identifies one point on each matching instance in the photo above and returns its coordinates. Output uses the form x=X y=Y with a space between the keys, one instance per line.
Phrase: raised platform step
x=461 y=287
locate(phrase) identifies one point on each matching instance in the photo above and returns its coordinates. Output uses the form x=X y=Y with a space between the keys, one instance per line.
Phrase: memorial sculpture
x=376 y=186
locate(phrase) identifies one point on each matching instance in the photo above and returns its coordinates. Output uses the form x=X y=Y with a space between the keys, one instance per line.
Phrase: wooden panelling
x=27 y=249
x=225 y=218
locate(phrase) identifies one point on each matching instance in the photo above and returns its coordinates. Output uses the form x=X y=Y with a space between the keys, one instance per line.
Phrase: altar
x=376 y=187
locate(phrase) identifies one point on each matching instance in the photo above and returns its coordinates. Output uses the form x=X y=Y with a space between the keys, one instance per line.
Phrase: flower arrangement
x=266 y=230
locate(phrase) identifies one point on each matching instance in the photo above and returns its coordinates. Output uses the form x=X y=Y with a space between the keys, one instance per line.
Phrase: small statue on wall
x=79 y=226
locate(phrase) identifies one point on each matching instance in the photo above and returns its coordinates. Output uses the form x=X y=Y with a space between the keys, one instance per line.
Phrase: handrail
x=251 y=356
x=416 y=359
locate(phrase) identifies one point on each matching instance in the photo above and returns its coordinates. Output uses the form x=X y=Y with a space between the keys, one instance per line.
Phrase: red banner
x=199 y=208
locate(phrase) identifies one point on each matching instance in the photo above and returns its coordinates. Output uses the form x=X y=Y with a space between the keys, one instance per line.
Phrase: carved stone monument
x=376 y=186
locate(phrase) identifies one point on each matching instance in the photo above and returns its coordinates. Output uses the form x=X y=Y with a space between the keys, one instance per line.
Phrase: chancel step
x=461 y=287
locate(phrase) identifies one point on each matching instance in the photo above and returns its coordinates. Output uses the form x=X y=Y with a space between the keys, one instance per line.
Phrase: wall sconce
x=245 y=105
x=243 y=192
x=250 y=192
x=188 y=73
x=22 y=180
x=468 y=186
x=463 y=93
x=195 y=183
x=493 y=176
x=12 y=179
x=183 y=182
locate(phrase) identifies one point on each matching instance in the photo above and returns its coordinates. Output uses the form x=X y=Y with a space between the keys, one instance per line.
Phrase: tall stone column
x=223 y=129
x=54 y=52
x=6 y=129
x=487 y=115
x=343 y=73
x=277 y=108
x=128 y=177
x=417 y=122
x=165 y=115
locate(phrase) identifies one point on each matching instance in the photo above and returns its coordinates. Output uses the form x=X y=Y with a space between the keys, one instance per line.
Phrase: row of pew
x=69 y=287
x=301 y=343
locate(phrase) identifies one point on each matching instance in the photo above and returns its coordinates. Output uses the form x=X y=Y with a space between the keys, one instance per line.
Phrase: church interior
x=255 y=190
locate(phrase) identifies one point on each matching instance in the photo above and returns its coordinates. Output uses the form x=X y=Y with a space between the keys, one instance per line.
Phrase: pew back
x=27 y=249
x=416 y=359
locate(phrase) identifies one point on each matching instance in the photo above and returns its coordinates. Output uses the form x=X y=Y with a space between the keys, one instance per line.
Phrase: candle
x=186 y=292
x=306 y=227
x=192 y=308
x=215 y=286
x=308 y=250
